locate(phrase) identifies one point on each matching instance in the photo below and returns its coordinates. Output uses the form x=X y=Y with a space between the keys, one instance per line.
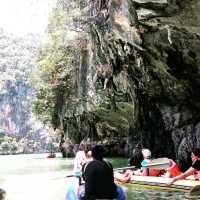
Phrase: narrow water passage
x=35 y=177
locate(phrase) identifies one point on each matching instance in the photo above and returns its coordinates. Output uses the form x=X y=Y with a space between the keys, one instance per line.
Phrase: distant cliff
x=20 y=132
x=134 y=77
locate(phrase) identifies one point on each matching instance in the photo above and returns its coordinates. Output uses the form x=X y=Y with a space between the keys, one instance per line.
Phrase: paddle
x=124 y=168
x=79 y=174
x=75 y=174
x=159 y=163
x=195 y=190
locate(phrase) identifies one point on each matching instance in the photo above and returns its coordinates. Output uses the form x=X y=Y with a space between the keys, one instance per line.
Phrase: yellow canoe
x=161 y=183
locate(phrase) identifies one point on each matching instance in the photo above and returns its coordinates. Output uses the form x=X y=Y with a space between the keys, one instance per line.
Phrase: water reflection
x=33 y=164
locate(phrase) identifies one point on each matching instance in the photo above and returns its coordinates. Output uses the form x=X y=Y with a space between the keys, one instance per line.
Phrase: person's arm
x=139 y=172
x=190 y=171
x=143 y=171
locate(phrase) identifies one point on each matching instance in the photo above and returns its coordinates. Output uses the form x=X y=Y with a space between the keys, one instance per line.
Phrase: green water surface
x=35 y=177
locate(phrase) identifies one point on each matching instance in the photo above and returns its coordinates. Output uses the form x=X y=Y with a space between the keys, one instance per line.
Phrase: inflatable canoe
x=160 y=183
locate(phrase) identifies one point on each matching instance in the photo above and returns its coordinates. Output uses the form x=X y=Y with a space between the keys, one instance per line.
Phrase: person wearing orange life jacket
x=173 y=170
x=194 y=169
x=147 y=160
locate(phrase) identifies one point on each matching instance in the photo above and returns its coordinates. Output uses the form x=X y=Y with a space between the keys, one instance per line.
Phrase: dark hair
x=2 y=194
x=196 y=152
x=137 y=156
x=97 y=152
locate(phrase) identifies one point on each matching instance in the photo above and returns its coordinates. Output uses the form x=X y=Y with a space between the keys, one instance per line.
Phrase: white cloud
x=25 y=16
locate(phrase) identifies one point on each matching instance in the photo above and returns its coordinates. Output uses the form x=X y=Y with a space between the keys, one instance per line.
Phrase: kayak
x=160 y=183
x=76 y=191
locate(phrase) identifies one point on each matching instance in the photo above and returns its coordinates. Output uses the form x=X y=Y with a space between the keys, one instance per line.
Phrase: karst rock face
x=140 y=77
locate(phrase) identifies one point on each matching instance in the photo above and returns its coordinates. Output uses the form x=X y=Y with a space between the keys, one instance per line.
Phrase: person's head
x=146 y=153
x=2 y=194
x=82 y=146
x=137 y=156
x=97 y=152
x=195 y=153
x=89 y=155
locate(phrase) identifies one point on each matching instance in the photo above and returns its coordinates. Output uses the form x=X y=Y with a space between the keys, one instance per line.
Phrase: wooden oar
x=124 y=168
x=79 y=174
x=195 y=190
x=75 y=174
x=159 y=163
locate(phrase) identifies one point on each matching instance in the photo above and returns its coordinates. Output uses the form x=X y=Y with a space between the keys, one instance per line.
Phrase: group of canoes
x=171 y=172
x=100 y=179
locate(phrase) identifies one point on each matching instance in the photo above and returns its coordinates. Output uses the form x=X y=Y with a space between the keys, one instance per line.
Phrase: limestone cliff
x=140 y=77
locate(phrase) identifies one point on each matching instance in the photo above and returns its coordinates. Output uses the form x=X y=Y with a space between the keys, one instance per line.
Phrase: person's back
x=80 y=158
x=99 y=181
x=98 y=176
x=137 y=156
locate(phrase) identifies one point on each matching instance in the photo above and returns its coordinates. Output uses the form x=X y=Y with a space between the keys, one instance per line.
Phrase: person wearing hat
x=145 y=171
x=126 y=176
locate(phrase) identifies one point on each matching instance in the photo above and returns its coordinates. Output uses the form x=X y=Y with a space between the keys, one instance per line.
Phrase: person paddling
x=98 y=177
x=98 y=180
x=194 y=169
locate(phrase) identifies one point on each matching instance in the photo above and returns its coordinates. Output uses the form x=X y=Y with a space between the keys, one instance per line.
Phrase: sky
x=21 y=17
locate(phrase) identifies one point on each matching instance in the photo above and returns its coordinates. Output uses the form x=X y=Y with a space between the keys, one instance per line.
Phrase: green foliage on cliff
x=119 y=121
x=56 y=60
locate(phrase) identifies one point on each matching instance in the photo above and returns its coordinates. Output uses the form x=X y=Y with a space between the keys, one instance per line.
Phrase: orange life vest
x=154 y=172
x=174 y=171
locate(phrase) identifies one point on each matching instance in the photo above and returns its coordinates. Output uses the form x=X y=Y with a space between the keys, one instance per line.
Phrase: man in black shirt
x=98 y=176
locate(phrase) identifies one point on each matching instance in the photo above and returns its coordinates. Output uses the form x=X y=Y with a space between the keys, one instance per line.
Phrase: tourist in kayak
x=137 y=156
x=80 y=158
x=193 y=170
x=135 y=161
x=2 y=194
x=143 y=171
x=98 y=177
